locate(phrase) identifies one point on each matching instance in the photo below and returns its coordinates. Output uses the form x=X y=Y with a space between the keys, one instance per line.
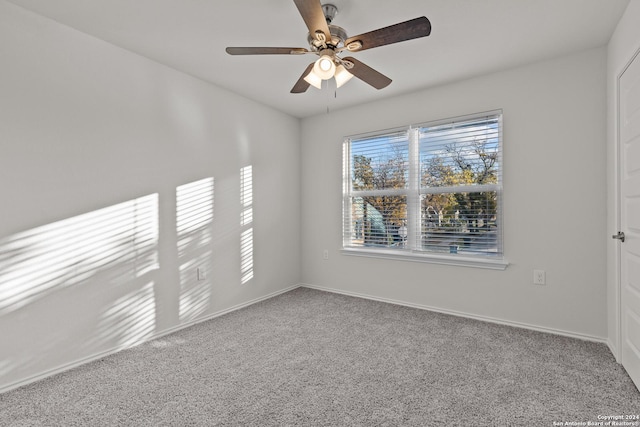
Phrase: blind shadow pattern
x=246 y=223
x=194 y=219
x=106 y=258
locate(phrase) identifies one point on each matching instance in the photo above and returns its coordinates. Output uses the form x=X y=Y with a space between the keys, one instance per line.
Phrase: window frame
x=413 y=192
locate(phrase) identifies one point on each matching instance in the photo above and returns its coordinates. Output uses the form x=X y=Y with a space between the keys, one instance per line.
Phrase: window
x=430 y=192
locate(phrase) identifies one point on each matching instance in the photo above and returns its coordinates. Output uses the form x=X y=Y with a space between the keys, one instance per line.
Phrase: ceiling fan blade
x=266 y=50
x=311 y=11
x=367 y=74
x=408 y=30
x=302 y=85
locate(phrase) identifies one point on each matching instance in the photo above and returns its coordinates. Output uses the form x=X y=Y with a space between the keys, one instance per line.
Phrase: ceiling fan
x=328 y=41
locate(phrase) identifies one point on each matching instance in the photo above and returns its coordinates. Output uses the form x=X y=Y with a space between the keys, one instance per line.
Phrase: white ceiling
x=469 y=37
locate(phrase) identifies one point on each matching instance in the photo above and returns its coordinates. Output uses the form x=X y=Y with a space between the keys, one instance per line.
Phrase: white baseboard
x=614 y=350
x=97 y=356
x=554 y=331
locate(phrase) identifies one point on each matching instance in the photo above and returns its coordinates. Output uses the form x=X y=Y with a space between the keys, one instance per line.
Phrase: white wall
x=624 y=44
x=97 y=250
x=554 y=199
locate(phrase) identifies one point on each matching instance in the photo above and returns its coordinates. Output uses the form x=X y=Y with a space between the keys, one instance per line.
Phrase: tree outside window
x=439 y=184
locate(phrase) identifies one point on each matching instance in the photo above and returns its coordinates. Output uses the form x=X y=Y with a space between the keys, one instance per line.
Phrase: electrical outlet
x=539 y=277
x=201 y=274
x=325 y=254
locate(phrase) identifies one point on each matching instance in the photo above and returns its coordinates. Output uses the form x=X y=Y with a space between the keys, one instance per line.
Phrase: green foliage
x=363 y=175
x=385 y=173
x=461 y=165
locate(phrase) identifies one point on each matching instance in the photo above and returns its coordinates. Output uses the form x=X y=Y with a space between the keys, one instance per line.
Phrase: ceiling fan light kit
x=342 y=75
x=325 y=67
x=313 y=79
x=328 y=41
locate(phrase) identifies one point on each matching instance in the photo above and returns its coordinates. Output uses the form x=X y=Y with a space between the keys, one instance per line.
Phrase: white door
x=629 y=169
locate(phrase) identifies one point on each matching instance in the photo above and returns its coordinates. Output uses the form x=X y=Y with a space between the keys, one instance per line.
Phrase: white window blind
x=377 y=189
x=434 y=188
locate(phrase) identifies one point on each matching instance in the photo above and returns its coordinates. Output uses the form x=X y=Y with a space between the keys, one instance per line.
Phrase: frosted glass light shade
x=313 y=79
x=342 y=75
x=324 y=67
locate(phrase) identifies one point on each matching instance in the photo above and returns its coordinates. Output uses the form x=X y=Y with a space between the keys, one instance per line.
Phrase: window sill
x=476 y=262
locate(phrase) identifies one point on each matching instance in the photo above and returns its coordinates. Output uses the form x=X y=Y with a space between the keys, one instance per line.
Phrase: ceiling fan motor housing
x=338 y=36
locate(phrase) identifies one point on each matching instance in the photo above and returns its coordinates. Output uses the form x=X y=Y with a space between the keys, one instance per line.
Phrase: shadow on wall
x=83 y=283
x=194 y=217
x=246 y=224
x=88 y=284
